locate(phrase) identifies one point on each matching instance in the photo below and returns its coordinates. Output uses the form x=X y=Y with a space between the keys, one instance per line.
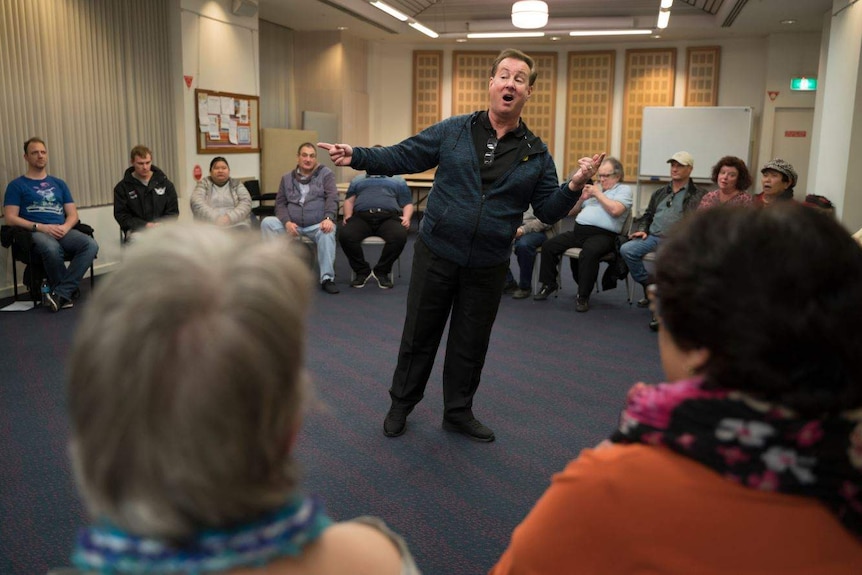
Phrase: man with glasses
x=601 y=213
x=491 y=168
x=666 y=206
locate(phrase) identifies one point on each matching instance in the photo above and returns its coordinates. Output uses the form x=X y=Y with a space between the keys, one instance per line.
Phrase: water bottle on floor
x=44 y=290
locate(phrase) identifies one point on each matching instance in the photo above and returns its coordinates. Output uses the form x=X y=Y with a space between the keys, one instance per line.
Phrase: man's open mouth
x=508 y=97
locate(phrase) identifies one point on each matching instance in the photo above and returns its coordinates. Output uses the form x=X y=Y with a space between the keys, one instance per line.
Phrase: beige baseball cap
x=683 y=158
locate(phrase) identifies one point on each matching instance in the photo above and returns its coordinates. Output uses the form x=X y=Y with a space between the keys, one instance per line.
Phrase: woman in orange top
x=750 y=459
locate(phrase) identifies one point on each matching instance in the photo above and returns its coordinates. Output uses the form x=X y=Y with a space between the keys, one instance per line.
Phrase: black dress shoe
x=472 y=428
x=583 y=304
x=396 y=421
x=510 y=287
x=643 y=302
x=653 y=324
x=543 y=293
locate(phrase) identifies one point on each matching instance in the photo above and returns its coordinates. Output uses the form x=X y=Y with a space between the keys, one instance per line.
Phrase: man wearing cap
x=777 y=178
x=666 y=206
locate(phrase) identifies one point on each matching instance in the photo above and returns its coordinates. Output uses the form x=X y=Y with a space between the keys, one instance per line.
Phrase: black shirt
x=495 y=156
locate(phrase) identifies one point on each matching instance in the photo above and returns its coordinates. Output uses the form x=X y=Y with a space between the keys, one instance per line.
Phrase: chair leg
x=14 y=279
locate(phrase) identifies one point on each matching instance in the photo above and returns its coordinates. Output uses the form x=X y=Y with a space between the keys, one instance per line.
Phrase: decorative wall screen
x=471 y=72
x=649 y=81
x=701 y=78
x=589 y=105
x=427 y=88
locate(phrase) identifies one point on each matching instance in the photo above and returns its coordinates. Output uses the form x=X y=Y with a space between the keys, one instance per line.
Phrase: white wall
x=220 y=52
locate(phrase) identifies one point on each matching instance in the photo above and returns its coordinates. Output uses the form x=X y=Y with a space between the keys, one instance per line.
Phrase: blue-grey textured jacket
x=462 y=223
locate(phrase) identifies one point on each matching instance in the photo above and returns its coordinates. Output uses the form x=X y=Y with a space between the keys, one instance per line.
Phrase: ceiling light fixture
x=609 y=32
x=666 y=4
x=663 y=18
x=425 y=30
x=390 y=10
x=529 y=14
x=479 y=35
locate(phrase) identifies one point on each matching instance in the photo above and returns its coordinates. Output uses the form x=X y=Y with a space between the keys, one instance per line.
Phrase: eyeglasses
x=603 y=176
x=491 y=145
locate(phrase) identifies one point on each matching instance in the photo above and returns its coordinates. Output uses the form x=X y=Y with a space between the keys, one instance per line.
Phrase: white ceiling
x=690 y=19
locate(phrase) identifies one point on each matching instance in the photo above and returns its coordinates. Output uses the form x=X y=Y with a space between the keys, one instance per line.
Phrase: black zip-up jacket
x=136 y=205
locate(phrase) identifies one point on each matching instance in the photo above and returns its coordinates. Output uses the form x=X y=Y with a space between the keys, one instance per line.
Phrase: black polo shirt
x=506 y=152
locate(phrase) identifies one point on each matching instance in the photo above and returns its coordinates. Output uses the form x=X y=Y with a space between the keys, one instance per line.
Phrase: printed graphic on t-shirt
x=48 y=204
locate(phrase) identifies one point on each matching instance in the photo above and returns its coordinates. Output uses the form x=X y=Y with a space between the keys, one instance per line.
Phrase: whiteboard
x=707 y=133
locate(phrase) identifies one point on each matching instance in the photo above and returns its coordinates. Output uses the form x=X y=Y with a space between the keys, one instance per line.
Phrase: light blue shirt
x=593 y=214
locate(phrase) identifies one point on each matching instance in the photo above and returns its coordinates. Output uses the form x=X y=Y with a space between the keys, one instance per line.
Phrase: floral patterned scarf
x=753 y=443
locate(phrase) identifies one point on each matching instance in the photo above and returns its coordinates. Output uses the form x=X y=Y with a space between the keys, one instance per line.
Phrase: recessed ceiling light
x=461 y=40
x=555 y=38
x=788 y=21
x=342 y=28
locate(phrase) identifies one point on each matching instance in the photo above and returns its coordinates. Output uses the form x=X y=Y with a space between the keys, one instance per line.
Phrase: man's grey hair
x=617 y=165
x=187 y=381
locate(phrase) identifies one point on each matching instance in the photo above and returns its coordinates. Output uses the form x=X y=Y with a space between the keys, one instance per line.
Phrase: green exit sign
x=803 y=84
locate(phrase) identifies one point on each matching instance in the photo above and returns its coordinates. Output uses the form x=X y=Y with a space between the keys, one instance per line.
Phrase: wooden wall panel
x=649 y=81
x=701 y=77
x=589 y=105
x=427 y=88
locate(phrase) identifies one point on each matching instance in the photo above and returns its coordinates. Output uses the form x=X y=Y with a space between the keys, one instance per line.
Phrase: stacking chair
x=20 y=241
x=650 y=257
x=376 y=241
x=608 y=258
x=259 y=209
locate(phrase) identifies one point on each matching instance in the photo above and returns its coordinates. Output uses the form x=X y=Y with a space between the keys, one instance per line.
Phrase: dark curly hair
x=774 y=295
x=744 y=181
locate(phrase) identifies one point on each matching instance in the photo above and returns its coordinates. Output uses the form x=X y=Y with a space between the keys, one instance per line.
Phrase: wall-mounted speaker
x=244 y=7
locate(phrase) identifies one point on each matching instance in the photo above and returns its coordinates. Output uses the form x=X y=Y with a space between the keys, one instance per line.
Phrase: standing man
x=43 y=205
x=667 y=205
x=145 y=196
x=306 y=205
x=375 y=206
x=601 y=213
x=490 y=169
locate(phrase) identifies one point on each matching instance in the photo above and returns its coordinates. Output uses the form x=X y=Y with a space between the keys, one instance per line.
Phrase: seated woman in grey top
x=220 y=199
x=184 y=418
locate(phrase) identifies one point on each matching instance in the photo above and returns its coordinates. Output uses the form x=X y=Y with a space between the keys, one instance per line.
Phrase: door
x=791 y=141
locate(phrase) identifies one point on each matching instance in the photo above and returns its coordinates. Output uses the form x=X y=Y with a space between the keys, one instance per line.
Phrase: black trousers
x=594 y=242
x=439 y=288
x=362 y=225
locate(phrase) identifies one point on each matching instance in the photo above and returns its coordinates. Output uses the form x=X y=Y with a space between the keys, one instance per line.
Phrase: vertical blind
x=92 y=78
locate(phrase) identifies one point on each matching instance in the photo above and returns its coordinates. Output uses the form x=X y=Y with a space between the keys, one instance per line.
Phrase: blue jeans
x=271 y=227
x=633 y=251
x=525 y=251
x=82 y=249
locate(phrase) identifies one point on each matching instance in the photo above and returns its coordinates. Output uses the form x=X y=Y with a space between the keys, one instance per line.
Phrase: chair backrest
x=253 y=187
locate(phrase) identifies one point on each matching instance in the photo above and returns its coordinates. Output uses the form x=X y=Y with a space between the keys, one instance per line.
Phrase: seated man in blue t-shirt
x=375 y=206
x=43 y=205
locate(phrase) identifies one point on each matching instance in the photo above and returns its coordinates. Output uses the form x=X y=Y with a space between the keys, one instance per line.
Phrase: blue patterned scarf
x=282 y=533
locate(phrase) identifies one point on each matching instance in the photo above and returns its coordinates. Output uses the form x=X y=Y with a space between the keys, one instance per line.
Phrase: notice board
x=708 y=133
x=226 y=122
